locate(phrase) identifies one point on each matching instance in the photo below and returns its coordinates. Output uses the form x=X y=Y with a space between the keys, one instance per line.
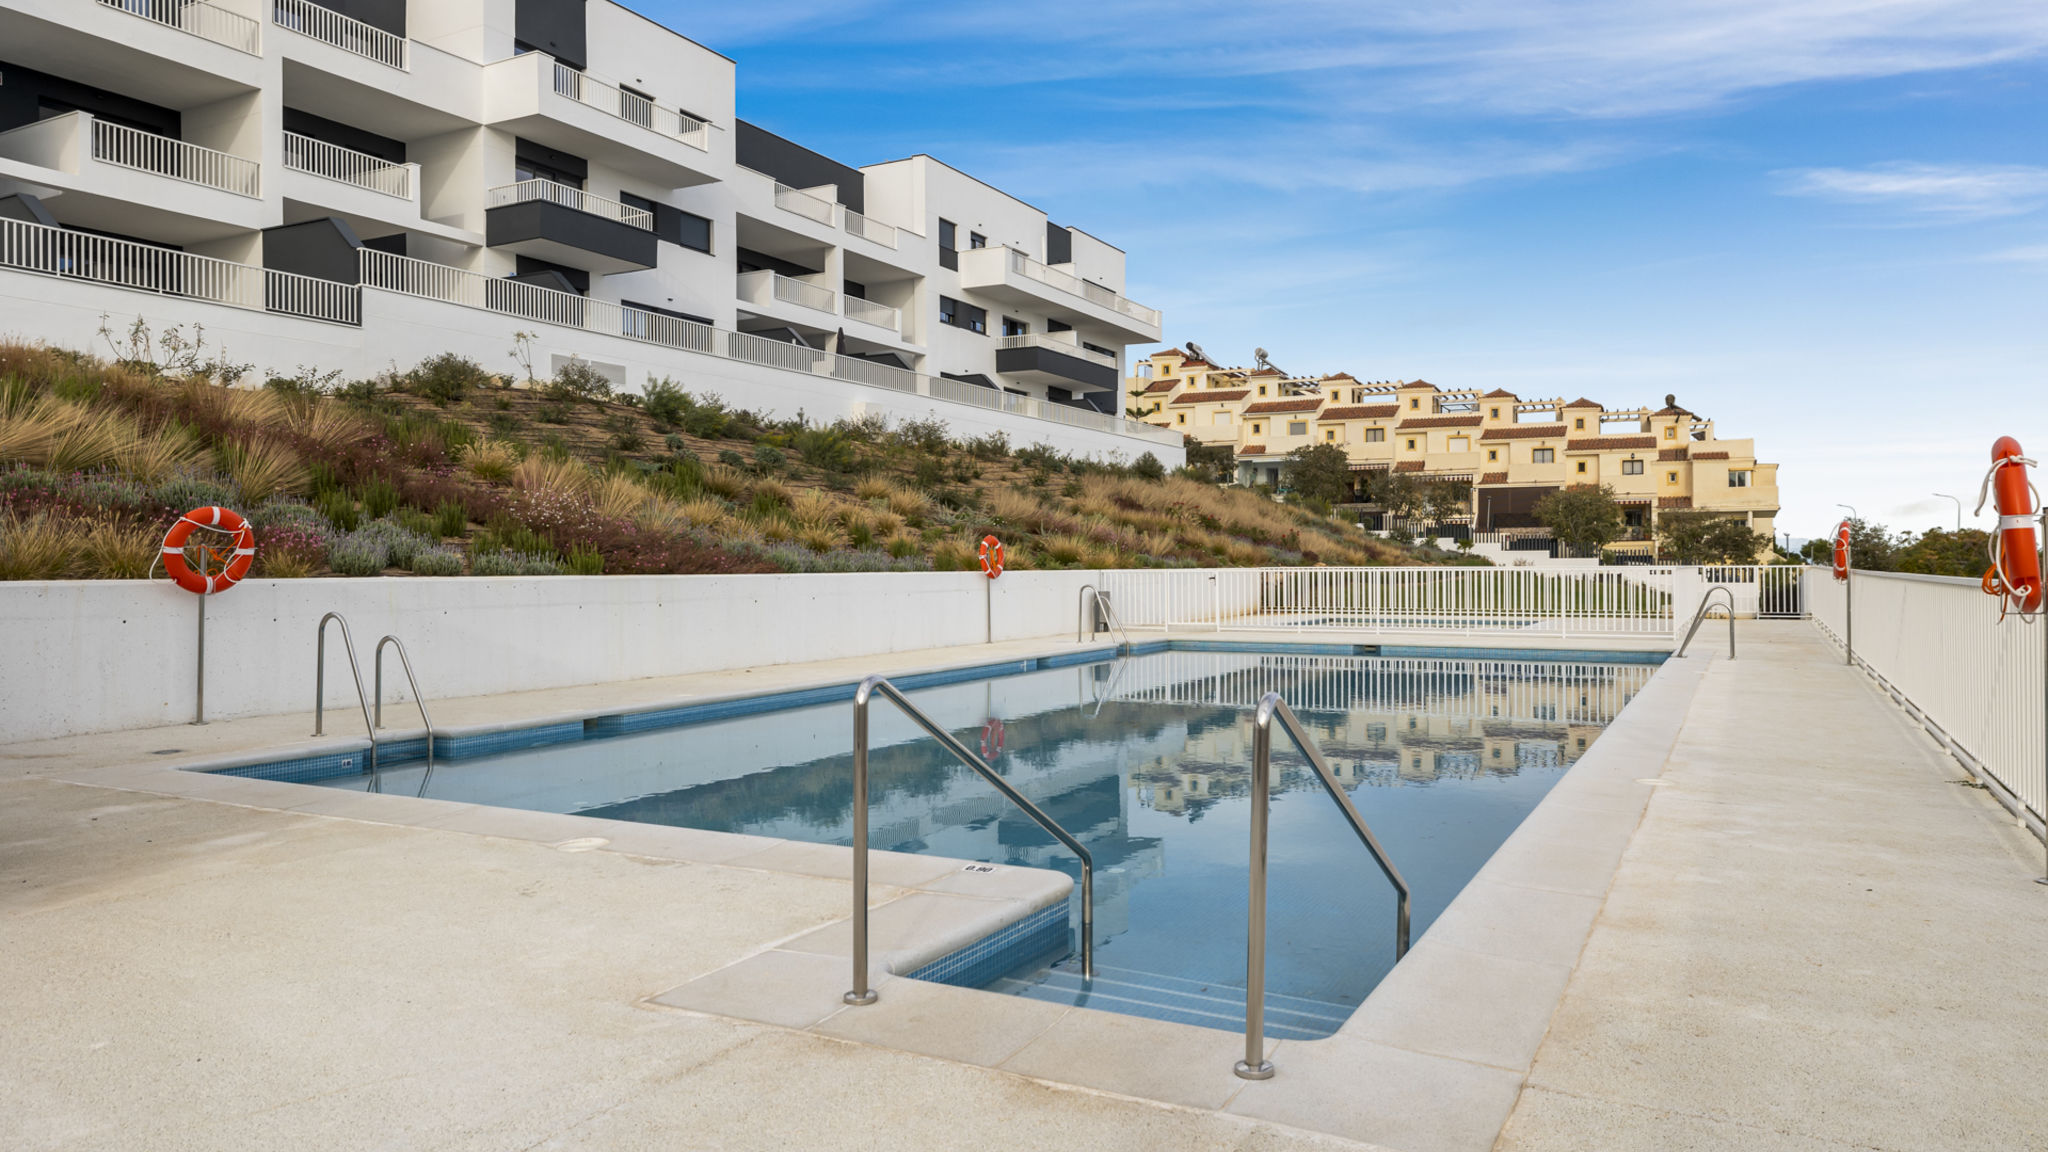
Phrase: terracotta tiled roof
x=1361 y=412
x=1494 y=478
x=1265 y=406
x=1668 y=454
x=1340 y=376
x=1582 y=402
x=1523 y=432
x=1210 y=397
x=1672 y=410
x=1408 y=466
x=1265 y=372
x=1500 y=394
x=1597 y=443
x=1420 y=384
x=1166 y=385
x=1710 y=455
x=1252 y=450
x=1441 y=422
x=1674 y=502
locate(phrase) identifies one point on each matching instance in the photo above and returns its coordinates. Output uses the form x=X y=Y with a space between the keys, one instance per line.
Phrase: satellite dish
x=1196 y=349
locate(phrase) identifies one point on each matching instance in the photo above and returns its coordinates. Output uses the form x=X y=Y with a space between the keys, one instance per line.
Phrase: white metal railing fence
x=431 y=281
x=1762 y=590
x=1065 y=343
x=803 y=203
x=1026 y=265
x=869 y=312
x=1613 y=602
x=1936 y=644
x=206 y=21
x=631 y=107
x=872 y=230
x=576 y=198
x=165 y=156
x=344 y=32
x=762 y=285
x=147 y=268
x=333 y=162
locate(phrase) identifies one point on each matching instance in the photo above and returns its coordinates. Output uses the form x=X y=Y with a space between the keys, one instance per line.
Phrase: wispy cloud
x=2024 y=254
x=1948 y=191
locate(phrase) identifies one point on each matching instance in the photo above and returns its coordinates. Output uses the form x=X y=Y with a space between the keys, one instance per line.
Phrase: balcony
x=569 y=226
x=1055 y=359
x=806 y=204
x=879 y=315
x=762 y=288
x=200 y=19
x=872 y=231
x=631 y=107
x=147 y=152
x=1011 y=275
x=344 y=32
x=534 y=96
x=347 y=166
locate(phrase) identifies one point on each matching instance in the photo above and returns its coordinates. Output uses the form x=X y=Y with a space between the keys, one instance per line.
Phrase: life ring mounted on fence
x=1842 y=537
x=2015 y=573
x=219 y=568
x=991 y=556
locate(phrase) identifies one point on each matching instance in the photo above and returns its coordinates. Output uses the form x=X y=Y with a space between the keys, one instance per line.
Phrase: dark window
x=632 y=200
x=1015 y=327
x=539 y=162
x=976 y=240
x=344 y=136
x=691 y=230
x=1542 y=455
x=1097 y=348
x=959 y=315
x=1063 y=326
x=949 y=256
x=1631 y=467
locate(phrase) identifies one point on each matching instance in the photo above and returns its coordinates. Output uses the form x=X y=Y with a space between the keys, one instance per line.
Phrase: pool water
x=1146 y=759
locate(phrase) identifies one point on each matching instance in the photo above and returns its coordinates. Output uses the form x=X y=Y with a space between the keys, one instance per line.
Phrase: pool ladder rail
x=1273 y=709
x=877 y=686
x=1105 y=613
x=1699 y=617
x=370 y=726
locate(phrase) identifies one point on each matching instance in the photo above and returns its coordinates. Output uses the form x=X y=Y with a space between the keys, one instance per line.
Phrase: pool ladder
x=1699 y=617
x=862 y=696
x=1104 y=613
x=1273 y=709
x=362 y=701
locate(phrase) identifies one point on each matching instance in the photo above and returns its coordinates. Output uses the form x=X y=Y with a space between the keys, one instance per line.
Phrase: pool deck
x=1763 y=916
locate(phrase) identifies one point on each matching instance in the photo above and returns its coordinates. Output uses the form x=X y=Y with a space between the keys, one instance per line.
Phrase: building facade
x=1511 y=452
x=568 y=166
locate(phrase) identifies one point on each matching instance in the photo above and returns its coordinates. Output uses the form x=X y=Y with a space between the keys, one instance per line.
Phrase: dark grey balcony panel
x=554 y=232
x=325 y=249
x=555 y=27
x=1046 y=362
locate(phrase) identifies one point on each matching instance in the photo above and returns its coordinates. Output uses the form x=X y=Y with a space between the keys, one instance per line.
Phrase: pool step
x=1163 y=997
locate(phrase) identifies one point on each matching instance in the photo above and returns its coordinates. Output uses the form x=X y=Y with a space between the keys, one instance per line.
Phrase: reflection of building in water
x=1380 y=721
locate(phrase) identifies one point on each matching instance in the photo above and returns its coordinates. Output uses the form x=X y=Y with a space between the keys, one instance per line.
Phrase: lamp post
x=1959 y=508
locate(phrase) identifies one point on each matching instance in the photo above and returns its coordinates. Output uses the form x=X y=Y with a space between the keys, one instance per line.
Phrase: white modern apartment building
x=359 y=184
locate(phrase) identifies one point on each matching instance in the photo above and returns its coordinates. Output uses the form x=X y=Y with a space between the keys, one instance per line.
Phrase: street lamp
x=1852 y=511
x=1959 y=508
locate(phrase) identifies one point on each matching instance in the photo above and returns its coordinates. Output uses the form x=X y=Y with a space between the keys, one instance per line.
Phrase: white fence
x=572 y=198
x=148 y=268
x=1028 y=266
x=343 y=32
x=333 y=162
x=869 y=312
x=872 y=230
x=804 y=204
x=1650 y=603
x=206 y=21
x=166 y=156
x=631 y=107
x=1936 y=644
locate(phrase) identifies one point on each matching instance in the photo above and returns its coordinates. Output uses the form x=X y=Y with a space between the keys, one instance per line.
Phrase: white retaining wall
x=400 y=331
x=105 y=655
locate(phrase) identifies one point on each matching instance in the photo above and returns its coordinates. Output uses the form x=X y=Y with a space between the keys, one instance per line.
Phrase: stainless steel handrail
x=1255 y=1066
x=1082 y=631
x=1116 y=677
x=1699 y=617
x=862 y=994
x=404 y=662
x=320 y=682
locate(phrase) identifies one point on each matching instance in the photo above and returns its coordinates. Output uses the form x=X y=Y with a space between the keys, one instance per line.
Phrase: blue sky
x=1824 y=225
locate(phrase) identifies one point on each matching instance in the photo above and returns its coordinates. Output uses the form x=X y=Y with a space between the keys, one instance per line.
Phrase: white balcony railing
x=1023 y=264
x=1065 y=343
x=71 y=255
x=568 y=197
x=206 y=21
x=148 y=152
x=870 y=230
x=759 y=287
x=630 y=107
x=382 y=270
x=344 y=32
x=804 y=204
x=319 y=158
x=869 y=312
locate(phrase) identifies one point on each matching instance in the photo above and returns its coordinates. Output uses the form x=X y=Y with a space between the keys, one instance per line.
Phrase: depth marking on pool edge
x=979 y=868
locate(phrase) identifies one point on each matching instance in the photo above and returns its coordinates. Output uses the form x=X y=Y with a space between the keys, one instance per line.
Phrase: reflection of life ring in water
x=219 y=568
x=991 y=740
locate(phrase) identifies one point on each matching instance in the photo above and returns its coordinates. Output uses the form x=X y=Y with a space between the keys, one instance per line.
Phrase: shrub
x=504 y=423
x=828 y=448
x=626 y=435
x=1148 y=467
x=577 y=380
x=450 y=519
x=903 y=544
x=339 y=510
x=187 y=492
x=732 y=459
x=446 y=379
x=675 y=444
x=552 y=413
x=400 y=543
x=585 y=561
x=926 y=435
x=379 y=497
x=666 y=402
x=769 y=457
x=503 y=563
x=115 y=550
x=491 y=461
x=929 y=471
x=436 y=562
x=358 y=555
x=994 y=446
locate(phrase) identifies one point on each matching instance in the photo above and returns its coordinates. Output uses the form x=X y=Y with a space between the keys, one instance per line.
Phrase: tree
x=1447 y=498
x=1583 y=515
x=1943 y=553
x=1708 y=538
x=1319 y=472
x=1215 y=462
x=1872 y=547
x=1400 y=494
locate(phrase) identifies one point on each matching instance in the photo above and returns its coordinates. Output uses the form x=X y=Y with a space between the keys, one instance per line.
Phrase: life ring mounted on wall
x=2014 y=548
x=219 y=568
x=991 y=556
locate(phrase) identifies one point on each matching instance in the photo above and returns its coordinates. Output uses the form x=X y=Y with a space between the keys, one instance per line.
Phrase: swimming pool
x=1145 y=759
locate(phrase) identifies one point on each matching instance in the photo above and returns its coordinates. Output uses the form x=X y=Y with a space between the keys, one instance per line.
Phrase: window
x=1492 y=454
x=1671 y=477
x=958 y=315
x=1257 y=427
x=1300 y=428
x=1579 y=423
x=1182 y=418
x=948 y=256
x=1329 y=435
x=1158 y=404
x=948 y=234
x=1738 y=479
x=1582 y=467
x=976 y=240
x=1375 y=435
x=1415 y=402
x=1411 y=443
x=1542 y=455
x=1631 y=467
x=1671 y=433
x=1262 y=389
x=1099 y=350
x=524 y=170
x=1493 y=413
x=1015 y=327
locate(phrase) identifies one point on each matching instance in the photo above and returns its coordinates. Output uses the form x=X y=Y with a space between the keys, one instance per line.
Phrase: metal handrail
x=1255 y=1066
x=1116 y=627
x=1699 y=616
x=418 y=700
x=1116 y=677
x=320 y=681
x=862 y=994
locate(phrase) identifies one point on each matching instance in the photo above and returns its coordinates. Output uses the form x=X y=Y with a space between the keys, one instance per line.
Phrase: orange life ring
x=1842 y=536
x=992 y=740
x=2015 y=572
x=231 y=565
x=992 y=556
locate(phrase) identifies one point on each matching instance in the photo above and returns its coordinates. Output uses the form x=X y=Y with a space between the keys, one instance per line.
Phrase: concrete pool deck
x=198 y=962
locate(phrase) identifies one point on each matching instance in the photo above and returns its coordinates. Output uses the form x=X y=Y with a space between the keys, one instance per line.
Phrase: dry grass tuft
x=262 y=468
x=104 y=550
x=35 y=548
x=873 y=488
x=491 y=461
x=730 y=483
x=619 y=496
x=326 y=425
x=541 y=474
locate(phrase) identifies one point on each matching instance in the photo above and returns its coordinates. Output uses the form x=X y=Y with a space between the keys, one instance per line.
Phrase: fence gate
x=1777 y=593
